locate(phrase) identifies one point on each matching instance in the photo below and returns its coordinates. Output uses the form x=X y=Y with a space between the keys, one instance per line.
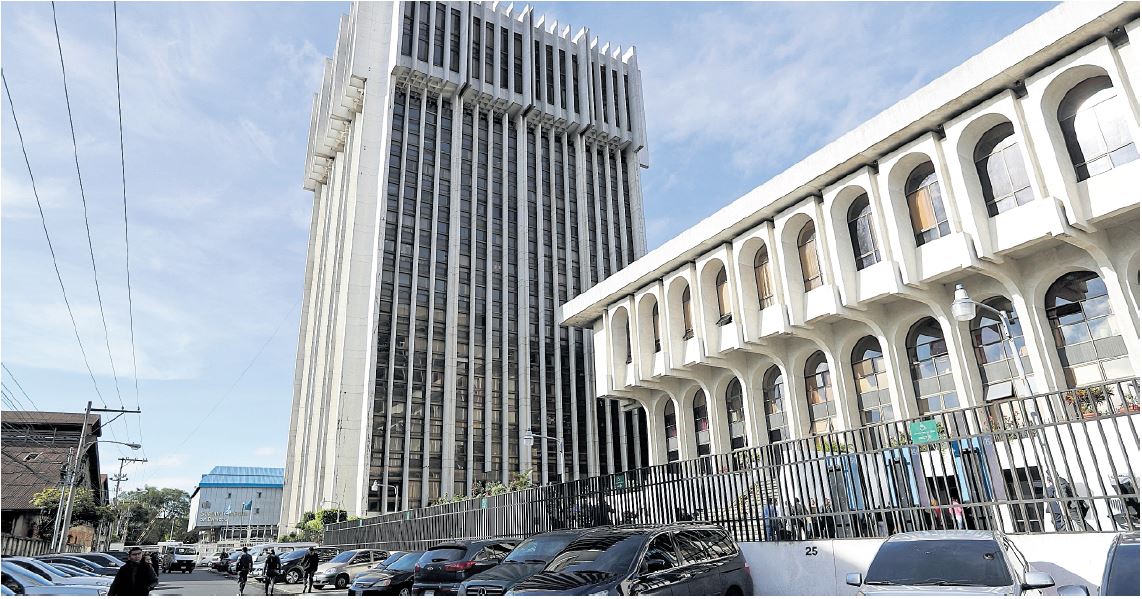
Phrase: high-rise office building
x=473 y=167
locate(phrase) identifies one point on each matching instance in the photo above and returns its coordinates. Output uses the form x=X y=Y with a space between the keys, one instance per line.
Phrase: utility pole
x=60 y=540
x=118 y=478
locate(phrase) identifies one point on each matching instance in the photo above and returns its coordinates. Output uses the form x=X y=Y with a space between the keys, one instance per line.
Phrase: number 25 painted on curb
x=811 y=550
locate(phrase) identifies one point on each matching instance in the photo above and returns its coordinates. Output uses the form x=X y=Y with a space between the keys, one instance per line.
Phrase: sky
x=215 y=107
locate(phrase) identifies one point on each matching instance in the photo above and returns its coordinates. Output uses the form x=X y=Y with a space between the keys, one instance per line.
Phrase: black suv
x=393 y=576
x=676 y=559
x=291 y=572
x=442 y=568
x=530 y=557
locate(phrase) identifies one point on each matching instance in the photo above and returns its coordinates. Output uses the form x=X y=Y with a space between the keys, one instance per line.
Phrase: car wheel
x=342 y=582
x=404 y=592
x=733 y=592
x=292 y=577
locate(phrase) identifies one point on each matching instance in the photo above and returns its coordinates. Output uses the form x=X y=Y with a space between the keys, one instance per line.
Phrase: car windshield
x=185 y=551
x=611 y=554
x=25 y=576
x=390 y=560
x=69 y=570
x=443 y=554
x=406 y=562
x=295 y=554
x=55 y=570
x=541 y=548
x=951 y=562
x=342 y=557
x=1122 y=573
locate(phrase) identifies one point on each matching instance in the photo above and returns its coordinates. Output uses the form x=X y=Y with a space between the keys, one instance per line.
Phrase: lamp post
x=376 y=487
x=60 y=540
x=964 y=310
x=530 y=437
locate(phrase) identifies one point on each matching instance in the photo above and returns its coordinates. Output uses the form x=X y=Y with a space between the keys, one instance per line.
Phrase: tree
x=84 y=510
x=152 y=514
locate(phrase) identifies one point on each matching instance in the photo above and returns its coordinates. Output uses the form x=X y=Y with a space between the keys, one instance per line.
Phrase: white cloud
x=267 y=451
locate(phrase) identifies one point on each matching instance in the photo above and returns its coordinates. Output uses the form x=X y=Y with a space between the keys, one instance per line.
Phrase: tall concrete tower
x=473 y=167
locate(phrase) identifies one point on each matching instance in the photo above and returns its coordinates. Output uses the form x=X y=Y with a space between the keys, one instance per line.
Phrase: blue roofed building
x=237 y=503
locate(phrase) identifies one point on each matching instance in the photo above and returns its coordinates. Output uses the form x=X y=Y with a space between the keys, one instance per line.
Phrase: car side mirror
x=655 y=565
x=1073 y=590
x=854 y=579
x=1037 y=580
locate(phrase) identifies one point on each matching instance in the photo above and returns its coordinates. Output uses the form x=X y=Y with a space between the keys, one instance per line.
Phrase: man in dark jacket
x=272 y=568
x=245 y=563
x=309 y=566
x=134 y=578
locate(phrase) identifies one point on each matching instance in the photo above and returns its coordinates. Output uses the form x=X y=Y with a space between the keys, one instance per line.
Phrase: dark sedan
x=529 y=558
x=103 y=559
x=690 y=559
x=82 y=563
x=291 y=572
x=392 y=576
x=442 y=568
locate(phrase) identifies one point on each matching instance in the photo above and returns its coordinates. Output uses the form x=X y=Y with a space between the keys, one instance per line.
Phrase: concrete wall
x=819 y=567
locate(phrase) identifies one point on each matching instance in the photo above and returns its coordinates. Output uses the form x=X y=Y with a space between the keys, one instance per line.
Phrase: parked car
x=179 y=557
x=1120 y=577
x=81 y=563
x=443 y=567
x=340 y=570
x=58 y=576
x=69 y=569
x=22 y=582
x=529 y=558
x=291 y=572
x=964 y=562
x=393 y=576
x=117 y=554
x=103 y=559
x=678 y=559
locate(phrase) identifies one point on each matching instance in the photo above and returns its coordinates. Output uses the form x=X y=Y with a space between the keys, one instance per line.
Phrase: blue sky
x=216 y=100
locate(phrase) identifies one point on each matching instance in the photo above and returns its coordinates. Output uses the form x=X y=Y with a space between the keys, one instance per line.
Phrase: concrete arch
x=675 y=326
x=748 y=281
x=709 y=292
x=838 y=216
x=965 y=151
x=645 y=329
x=1052 y=97
x=787 y=238
x=897 y=177
x=620 y=335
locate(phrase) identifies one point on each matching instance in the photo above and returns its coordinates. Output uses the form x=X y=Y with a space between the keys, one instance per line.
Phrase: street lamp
x=64 y=523
x=530 y=437
x=964 y=310
x=376 y=488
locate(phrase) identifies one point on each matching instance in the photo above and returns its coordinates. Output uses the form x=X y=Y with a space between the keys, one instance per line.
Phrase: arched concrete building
x=821 y=300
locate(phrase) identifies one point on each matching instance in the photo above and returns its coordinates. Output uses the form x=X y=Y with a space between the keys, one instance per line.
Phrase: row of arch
x=1077 y=308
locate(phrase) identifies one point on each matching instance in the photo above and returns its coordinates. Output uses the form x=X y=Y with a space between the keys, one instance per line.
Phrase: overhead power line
x=48 y=237
x=86 y=223
x=20 y=387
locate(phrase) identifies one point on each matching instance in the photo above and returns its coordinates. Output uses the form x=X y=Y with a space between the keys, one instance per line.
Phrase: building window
x=671 y=424
x=687 y=314
x=628 y=336
x=1090 y=347
x=654 y=327
x=438 y=36
x=701 y=423
x=1094 y=129
x=517 y=62
x=735 y=413
x=926 y=204
x=931 y=367
x=761 y=277
x=406 y=28
x=722 y=288
x=259 y=494
x=422 y=33
x=999 y=165
x=257 y=510
x=475 y=33
x=861 y=233
x=807 y=252
x=773 y=393
x=993 y=353
x=228 y=496
x=817 y=394
x=454 y=43
x=871 y=382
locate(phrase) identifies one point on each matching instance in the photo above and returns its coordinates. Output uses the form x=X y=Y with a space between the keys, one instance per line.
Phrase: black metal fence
x=1056 y=462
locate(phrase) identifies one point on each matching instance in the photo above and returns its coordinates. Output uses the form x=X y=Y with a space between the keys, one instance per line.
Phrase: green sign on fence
x=923 y=431
x=620 y=481
x=483 y=503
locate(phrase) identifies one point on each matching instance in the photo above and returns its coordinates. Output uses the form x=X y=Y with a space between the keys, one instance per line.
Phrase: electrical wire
x=86 y=223
x=48 y=237
x=20 y=387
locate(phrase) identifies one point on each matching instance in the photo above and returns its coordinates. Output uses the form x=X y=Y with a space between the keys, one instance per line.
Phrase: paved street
x=209 y=582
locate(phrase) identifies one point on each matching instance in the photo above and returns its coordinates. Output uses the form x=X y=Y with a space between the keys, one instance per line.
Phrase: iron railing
x=1065 y=461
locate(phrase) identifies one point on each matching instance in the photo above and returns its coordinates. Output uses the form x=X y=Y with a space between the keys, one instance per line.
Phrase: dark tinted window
x=390 y=560
x=612 y=554
x=406 y=562
x=343 y=557
x=443 y=554
x=1122 y=572
x=538 y=548
x=293 y=555
x=960 y=562
x=695 y=545
x=661 y=548
x=495 y=551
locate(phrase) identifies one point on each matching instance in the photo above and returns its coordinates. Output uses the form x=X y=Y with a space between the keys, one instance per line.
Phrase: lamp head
x=963 y=308
x=528 y=437
x=134 y=446
x=376 y=486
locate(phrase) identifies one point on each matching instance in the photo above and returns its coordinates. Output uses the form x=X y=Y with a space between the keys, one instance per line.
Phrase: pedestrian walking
x=134 y=578
x=830 y=520
x=245 y=564
x=156 y=564
x=273 y=566
x=800 y=520
x=309 y=566
x=768 y=515
x=958 y=519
